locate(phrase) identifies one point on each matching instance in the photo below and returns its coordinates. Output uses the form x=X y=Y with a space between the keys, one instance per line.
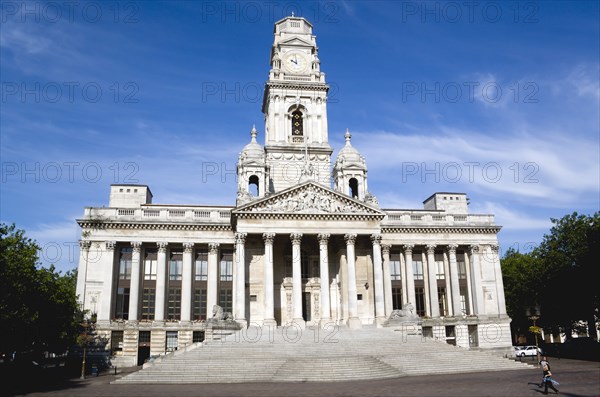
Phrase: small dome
x=252 y=151
x=348 y=155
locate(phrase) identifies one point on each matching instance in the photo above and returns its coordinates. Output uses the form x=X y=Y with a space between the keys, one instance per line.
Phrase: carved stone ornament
x=110 y=245
x=376 y=239
x=385 y=249
x=136 y=246
x=350 y=239
x=323 y=238
x=296 y=238
x=188 y=247
x=309 y=199
x=269 y=237
x=213 y=248
x=162 y=246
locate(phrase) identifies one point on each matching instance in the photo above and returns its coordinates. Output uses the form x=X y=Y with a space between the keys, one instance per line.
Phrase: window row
x=175 y=265
x=199 y=306
x=396 y=273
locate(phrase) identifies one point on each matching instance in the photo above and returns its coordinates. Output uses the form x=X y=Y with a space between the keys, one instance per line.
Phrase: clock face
x=296 y=62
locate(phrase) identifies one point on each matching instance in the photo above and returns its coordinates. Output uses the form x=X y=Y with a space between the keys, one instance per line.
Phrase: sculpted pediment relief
x=295 y=41
x=309 y=198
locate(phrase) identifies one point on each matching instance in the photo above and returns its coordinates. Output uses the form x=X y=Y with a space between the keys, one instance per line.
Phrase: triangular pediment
x=295 y=41
x=309 y=198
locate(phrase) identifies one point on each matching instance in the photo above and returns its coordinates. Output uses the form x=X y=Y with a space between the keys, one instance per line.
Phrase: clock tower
x=295 y=109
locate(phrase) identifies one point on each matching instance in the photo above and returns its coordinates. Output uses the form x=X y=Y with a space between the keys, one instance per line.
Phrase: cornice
x=442 y=229
x=84 y=223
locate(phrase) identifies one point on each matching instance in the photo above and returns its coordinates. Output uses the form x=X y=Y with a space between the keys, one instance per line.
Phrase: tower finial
x=292 y=13
x=348 y=136
x=253 y=133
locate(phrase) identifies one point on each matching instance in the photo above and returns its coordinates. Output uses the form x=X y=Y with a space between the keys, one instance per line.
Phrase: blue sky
x=499 y=100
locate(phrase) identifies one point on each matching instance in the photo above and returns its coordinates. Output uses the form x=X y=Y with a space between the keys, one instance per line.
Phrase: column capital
x=162 y=246
x=323 y=238
x=350 y=238
x=136 y=246
x=241 y=238
x=110 y=245
x=408 y=248
x=296 y=238
x=385 y=249
x=452 y=248
x=430 y=248
x=85 y=245
x=268 y=237
x=376 y=239
x=188 y=247
x=495 y=248
x=213 y=248
x=474 y=248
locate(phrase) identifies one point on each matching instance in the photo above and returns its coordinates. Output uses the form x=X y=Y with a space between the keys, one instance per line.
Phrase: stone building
x=305 y=244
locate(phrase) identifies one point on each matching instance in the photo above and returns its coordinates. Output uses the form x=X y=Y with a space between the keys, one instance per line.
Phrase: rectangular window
x=171 y=341
x=439 y=266
x=420 y=298
x=418 y=269
x=174 y=308
x=144 y=338
x=395 y=272
x=200 y=297
x=125 y=264
x=304 y=269
x=462 y=270
x=201 y=266
x=176 y=266
x=226 y=299
x=148 y=299
x=116 y=341
x=150 y=265
x=442 y=301
x=198 y=336
x=396 y=298
x=122 y=303
x=226 y=266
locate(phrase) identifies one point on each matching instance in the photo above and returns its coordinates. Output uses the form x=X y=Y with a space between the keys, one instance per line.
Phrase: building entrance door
x=143 y=354
x=306 y=314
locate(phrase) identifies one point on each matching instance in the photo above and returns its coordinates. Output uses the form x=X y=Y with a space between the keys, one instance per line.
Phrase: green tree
x=38 y=306
x=569 y=254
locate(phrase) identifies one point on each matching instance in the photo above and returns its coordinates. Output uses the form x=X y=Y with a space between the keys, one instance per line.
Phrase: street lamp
x=85 y=338
x=533 y=313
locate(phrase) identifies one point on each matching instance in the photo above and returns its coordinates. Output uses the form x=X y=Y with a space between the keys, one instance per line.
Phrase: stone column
x=269 y=315
x=186 y=282
x=239 y=277
x=161 y=281
x=454 y=285
x=324 y=277
x=432 y=276
x=410 y=277
x=387 y=280
x=378 y=280
x=499 y=282
x=134 y=285
x=353 y=320
x=296 y=279
x=212 y=276
x=108 y=268
x=476 y=276
x=84 y=251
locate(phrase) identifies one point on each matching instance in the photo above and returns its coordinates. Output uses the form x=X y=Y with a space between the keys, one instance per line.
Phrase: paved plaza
x=577 y=378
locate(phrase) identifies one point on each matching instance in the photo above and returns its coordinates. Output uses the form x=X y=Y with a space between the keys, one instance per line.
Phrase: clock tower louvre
x=295 y=108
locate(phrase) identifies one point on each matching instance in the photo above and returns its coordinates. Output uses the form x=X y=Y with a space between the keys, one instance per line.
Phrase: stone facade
x=294 y=249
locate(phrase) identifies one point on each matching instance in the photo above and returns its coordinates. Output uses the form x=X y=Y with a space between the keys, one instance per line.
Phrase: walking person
x=543 y=363
x=548 y=381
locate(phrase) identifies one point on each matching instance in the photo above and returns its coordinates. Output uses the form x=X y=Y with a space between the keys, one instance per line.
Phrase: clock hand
x=294 y=60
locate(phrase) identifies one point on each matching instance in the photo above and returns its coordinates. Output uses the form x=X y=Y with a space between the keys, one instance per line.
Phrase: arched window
x=353 y=188
x=253 y=185
x=297 y=126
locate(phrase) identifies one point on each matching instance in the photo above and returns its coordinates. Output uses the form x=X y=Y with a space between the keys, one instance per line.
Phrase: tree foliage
x=38 y=306
x=560 y=275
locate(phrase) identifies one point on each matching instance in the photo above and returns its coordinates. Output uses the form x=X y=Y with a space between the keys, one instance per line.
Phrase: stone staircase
x=313 y=355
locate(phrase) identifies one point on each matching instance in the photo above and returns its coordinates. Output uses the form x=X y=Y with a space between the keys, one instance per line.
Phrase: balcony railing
x=424 y=218
x=165 y=214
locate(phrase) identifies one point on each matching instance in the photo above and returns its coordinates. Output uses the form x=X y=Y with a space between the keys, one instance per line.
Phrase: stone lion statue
x=408 y=311
x=220 y=315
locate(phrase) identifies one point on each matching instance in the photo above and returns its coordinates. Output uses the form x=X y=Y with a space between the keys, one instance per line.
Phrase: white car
x=524 y=351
